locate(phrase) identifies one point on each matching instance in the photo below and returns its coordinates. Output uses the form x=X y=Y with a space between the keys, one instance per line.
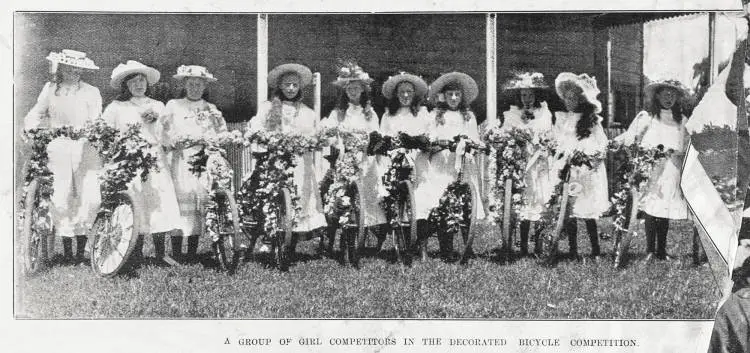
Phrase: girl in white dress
x=354 y=112
x=286 y=112
x=406 y=114
x=68 y=101
x=183 y=120
x=530 y=112
x=579 y=129
x=453 y=92
x=157 y=211
x=662 y=124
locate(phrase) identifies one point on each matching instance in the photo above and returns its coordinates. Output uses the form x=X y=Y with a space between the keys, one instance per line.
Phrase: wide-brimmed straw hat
x=351 y=72
x=185 y=71
x=72 y=58
x=469 y=87
x=651 y=88
x=133 y=67
x=304 y=73
x=390 y=85
x=526 y=80
x=585 y=82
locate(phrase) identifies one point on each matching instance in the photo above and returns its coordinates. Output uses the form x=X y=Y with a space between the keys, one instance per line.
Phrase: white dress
x=157 y=209
x=539 y=186
x=372 y=167
x=304 y=122
x=593 y=199
x=192 y=191
x=662 y=196
x=404 y=121
x=73 y=163
x=442 y=164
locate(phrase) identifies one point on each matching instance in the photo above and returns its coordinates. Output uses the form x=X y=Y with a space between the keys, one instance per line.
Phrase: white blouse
x=65 y=107
x=404 y=121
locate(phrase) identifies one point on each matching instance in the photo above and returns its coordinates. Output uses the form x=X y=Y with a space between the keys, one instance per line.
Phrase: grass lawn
x=321 y=288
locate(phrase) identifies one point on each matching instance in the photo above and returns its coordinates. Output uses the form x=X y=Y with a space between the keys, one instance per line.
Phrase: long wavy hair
x=654 y=108
x=364 y=101
x=58 y=78
x=442 y=107
x=273 y=120
x=588 y=119
x=394 y=104
x=125 y=94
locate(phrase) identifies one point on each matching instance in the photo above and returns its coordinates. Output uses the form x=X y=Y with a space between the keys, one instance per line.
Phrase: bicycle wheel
x=471 y=229
x=37 y=235
x=557 y=232
x=282 y=241
x=354 y=236
x=507 y=226
x=408 y=220
x=227 y=227
x=113 y=237
x=624 y=237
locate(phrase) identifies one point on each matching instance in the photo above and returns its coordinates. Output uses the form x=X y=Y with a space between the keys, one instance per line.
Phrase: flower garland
x=576 y=159
x=211 y=158
x=130 y=156
x=401 y=169
x=508 y=162
x=125 y=155
x=208 y=118
x=260 y=193
x=454 y=207
x=634 y=173
x=149 y=116
x=337 y=200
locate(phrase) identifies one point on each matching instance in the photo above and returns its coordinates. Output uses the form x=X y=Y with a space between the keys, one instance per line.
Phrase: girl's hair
x=364 y=101
x=654 y=107
x=125 y=94
x=58 y=77
x=442 y=107
x=394 y=104
x=273 y=120
x=538 y=99
x=587 y=121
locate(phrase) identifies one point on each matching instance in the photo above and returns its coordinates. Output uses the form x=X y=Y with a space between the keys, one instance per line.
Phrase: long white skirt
x=157 y=209
x=76 y=195
x=662 y=196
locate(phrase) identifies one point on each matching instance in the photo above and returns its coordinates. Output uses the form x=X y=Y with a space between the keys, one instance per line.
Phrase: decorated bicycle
x=280 y=199
x=509 y=164
x=404 y=127
x=581 y=147
x=397 y=197
x=460 y=205
x=115 y=231
x=195 y=126
x=454 y=132
x=353 y=184
x=633 y=175
x=60 y=169
x=341 y=190
x=220 y=210
x=518 y=165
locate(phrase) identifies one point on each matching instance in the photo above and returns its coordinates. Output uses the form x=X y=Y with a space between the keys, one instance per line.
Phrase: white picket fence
x=239 y=157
